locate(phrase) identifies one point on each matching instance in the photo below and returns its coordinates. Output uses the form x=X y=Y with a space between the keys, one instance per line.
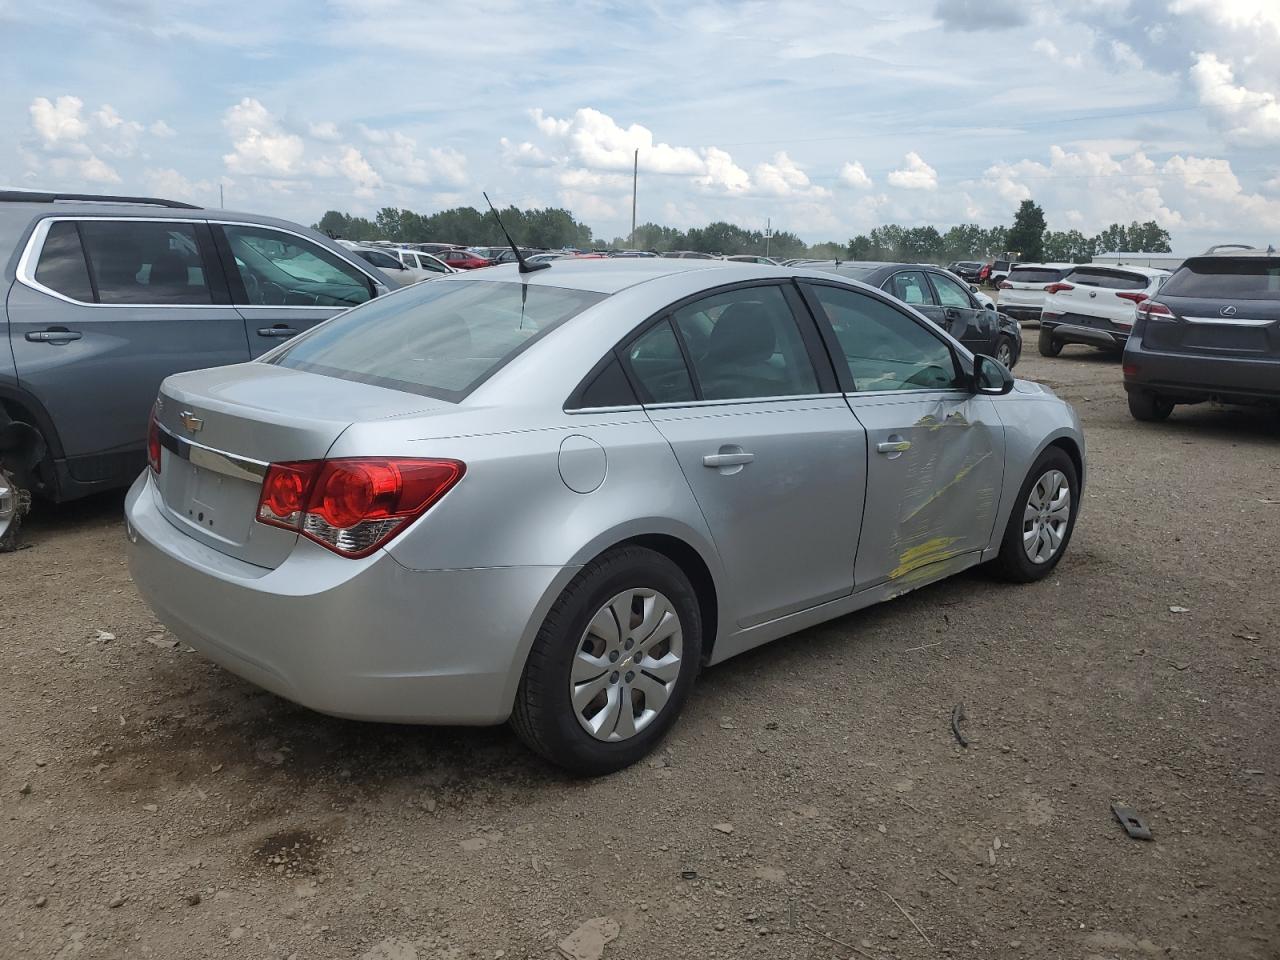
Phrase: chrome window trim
x=26 y=271
x=788 y=398
x=218 y=461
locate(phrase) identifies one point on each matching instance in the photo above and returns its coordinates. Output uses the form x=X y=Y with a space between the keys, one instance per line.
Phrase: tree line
x=553 y=228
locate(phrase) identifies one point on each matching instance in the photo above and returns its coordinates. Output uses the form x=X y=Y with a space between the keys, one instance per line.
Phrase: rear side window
x=1035 y=275
x=1245 y=278
x=62 y=266
x=658 y=364
x=278 y=269
x=440 y=339
x=1108 y=279
x=141 y=261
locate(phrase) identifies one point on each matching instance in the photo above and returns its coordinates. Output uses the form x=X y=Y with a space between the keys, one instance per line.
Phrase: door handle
x=277 y=331
x=53 y=335
x=893 y=446
x=727 y=459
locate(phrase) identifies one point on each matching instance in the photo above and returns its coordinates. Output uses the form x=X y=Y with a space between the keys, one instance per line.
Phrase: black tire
x=1004 y=352
x=1049 y=345
x=544 y=716
x=1149 y=406
x=1012 y=562
x=14 y=504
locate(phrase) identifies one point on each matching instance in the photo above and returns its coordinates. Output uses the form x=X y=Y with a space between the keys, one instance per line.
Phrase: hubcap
x=1004 y=354
x=8 y=503
x=1045 y=517
x=627 y=664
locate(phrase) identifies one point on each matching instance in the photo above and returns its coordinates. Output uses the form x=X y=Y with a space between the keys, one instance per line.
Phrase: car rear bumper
x=1021 y=312
x=1195 y=377
x=366 y=639
x=1106 y=335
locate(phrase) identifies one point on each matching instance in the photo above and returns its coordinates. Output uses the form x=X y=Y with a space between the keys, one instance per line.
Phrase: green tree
x=1148 y=237
x=1026 y=237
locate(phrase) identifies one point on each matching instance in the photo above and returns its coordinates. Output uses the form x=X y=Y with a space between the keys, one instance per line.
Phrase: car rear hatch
x=1101 y=297
x=1025 y=286
x=220 y=428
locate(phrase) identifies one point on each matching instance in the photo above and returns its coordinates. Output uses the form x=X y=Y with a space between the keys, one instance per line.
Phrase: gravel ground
x=812 y=802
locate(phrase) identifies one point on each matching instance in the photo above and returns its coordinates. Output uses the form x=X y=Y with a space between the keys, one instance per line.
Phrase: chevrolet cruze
x=552 y=496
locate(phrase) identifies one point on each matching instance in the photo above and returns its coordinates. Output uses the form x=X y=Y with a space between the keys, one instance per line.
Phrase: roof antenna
x=525 y=265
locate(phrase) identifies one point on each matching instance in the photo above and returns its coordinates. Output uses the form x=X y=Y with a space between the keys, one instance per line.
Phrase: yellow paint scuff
x=923 y=554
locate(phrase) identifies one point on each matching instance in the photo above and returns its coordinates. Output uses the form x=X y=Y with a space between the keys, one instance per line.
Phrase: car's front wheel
x=14 y=504
x=1149 y=406
x=612 y=665
x=1004 y=352
x=1042 y=519
x=1049 y=345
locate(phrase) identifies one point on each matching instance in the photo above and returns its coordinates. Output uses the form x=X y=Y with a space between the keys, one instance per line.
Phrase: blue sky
x=826 y=117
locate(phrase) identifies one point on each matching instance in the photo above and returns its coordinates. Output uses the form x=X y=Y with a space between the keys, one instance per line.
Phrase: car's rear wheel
x=14 y=504
x=1049 y=345
x=1149 y=406
x=1042 y=519
x=1004 y=352
x=612 y=665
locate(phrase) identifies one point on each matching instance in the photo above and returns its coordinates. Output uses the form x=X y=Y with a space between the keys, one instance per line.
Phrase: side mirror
x=973 y=288
x=990 y=376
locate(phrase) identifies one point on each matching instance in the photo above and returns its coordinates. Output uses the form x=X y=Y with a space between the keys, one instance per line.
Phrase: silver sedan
x=551 y=497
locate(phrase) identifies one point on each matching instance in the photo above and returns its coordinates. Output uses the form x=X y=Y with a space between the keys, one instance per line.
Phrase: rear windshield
x=441 y=339
x=1108 y=279
x=1225 y=278
x=1036 y=275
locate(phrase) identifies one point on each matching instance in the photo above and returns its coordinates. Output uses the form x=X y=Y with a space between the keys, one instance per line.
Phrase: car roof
x=1052 y=266
x=1237 y=253
x=1122 y=268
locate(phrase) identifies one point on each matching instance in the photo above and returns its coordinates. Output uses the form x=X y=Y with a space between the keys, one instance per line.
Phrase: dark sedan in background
x=1211 y=333
x=943 y=298
x=967 y=270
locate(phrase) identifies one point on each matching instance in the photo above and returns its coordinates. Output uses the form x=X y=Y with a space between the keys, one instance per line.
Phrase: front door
x=935 y=450
x=964 y=317
x=775 y=461
x=103 y=310
x=283 y=283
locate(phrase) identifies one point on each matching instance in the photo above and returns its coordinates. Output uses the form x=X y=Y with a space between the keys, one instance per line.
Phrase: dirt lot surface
x=812 y=802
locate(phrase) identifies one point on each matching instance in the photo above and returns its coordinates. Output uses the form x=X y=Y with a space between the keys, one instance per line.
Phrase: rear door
x=106 y=308
x=912 y=288
x=282 y=283
x=736 y=383
x=963 y=317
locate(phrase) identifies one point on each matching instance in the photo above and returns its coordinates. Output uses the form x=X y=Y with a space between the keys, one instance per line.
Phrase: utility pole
x=768 y=234
x=222 y=202
x=635 y=176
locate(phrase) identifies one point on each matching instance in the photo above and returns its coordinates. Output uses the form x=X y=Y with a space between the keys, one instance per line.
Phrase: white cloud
x=916 y=175
x=397 y=156
x=721 y=173
x=96 y=171
x=524 y=154
x=58 y=121
x=172 y=185
x=325 y=130
x=783 y=178
x=593 y=139
x=855 y=175
x=1049 y=49
x=162 y=130
x=353 y=166
x=1250 y=117
x=259 y=145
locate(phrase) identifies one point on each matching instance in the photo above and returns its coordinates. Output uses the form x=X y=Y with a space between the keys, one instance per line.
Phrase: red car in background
x=985 y=273
x=463 y=259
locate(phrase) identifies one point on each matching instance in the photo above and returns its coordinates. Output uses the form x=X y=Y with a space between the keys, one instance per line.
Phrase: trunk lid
x=1247 y=328
x=221 y=427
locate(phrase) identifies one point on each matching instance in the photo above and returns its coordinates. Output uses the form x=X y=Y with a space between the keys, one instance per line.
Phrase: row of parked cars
x=1209 y=330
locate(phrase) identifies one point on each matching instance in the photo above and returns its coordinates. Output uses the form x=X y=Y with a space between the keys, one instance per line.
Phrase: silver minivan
x=104 y=297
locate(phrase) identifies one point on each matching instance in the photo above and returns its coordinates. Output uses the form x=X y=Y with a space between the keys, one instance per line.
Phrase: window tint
x=745 y=343
x=1249 y=278
x=430 y=263
x=910 y=287
x=439 y=339
x=145 y=261
x=885 y=349
x=608 y=388
x=658 y=364
x=380 y=259
x=950 y=293
x=62 y=265
x=1108 y=279
x=279 y=269
x=1036 y=275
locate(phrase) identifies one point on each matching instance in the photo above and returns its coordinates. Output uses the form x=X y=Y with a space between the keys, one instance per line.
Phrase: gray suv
x=103 y=297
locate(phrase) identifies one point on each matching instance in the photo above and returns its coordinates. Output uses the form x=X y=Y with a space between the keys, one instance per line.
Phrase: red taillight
x=1006 y=285
x=1133 y=295
x=353 y=506
x=1059 y=287
x=1130 y=370
x=1151 y=309
x=153 y=442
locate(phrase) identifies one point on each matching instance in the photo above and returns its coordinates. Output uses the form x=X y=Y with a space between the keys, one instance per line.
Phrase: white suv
x=1022 y=294
x=1095 y=304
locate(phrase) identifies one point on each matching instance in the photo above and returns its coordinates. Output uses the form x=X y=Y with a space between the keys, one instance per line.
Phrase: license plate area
x=219 y=507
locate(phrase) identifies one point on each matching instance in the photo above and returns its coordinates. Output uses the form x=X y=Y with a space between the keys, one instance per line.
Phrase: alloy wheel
x=1046 y=516
x=626 y=665
x=9 y=499
x=1004 y=353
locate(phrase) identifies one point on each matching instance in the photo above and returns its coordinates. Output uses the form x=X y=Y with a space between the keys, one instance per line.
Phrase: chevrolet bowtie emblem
x=189 y=420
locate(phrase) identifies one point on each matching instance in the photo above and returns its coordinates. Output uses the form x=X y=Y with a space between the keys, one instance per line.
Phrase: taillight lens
x=1006 y=285
x=1136 y=296
x=1130 y=370
x=1059 y=287
x=1151 y=309
x=353 y=506
x=153 y=442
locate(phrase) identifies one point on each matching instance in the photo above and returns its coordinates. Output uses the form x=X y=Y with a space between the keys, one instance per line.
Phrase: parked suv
x=1000 y=271
x=1022 y=294
x=1095 y=304
x=104 y=297
x=1212 y=333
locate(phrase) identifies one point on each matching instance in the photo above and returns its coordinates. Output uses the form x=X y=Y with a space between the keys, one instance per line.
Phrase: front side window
x=62 y=266
x=745 y=344
x=431 y=263
x=950 y=293
x=279 y=269
x=441 y=339
x=145 y=262
x=911 y=287
x=884 y=348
